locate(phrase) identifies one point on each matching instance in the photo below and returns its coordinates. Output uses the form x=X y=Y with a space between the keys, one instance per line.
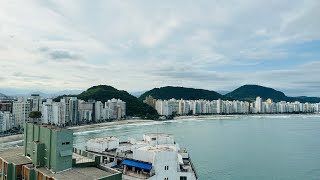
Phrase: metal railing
x=193 y=168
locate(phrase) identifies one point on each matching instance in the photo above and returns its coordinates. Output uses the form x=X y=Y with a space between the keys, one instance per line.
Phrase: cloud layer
x=138 y=45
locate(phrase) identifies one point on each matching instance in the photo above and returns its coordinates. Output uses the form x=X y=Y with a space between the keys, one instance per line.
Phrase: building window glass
x=183 y=178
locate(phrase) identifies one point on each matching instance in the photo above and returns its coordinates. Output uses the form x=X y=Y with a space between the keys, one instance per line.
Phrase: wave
x=117 y=127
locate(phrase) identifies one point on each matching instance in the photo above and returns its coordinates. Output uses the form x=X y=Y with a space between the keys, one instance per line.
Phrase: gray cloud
x=59 y=55
x=63 y=55
x=30 y=77
x=207 y=44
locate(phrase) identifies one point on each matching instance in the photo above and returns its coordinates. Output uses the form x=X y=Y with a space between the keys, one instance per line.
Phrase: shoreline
x=236 y=115
x=107 y=124
x=19 y=137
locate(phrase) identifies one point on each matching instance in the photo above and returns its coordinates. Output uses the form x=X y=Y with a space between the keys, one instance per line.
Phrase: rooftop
x=103 y=140
x=159 y=134
x=85 y=173
x=80 y=159
x=52 y=127
x=15 y=156
x=158 y=148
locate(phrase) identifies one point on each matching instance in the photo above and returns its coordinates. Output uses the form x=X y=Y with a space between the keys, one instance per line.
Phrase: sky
x=137 y=45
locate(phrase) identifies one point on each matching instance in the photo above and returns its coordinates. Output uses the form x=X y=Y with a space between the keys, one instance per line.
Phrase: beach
x=107 y=124
x=88 y=127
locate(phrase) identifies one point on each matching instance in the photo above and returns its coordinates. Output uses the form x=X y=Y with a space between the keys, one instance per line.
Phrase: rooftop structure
x=157 y=156
x=48 y=154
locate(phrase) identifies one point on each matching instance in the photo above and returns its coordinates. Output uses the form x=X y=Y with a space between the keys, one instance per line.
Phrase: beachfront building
x=6 y=121
x=21 y=110
x=258 y=105
x=184 y=107
x=86 y=111
x=116 y=108
x=35 y=102
x=156 y=157
x=150 y=101
x=54 y=113
x=6 y=106
x=48 y=154
x=73 y=111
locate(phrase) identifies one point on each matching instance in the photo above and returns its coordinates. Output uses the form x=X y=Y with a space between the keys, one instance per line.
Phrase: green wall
x=49 y=147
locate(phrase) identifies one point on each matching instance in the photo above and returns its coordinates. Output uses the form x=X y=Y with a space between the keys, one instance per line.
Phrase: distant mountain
x=103 y=93
x=42 y=94
x=243 y=93
x=305 y=99
x=2 y=95
x=66 y=92
x=250 y=92
x=169 y=92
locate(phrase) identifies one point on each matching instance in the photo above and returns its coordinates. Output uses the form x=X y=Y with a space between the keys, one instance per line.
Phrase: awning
x=137 y=164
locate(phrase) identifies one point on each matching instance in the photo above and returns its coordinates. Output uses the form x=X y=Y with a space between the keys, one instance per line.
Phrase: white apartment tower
x=21 y=110
x=258 y=105
x=6 y=121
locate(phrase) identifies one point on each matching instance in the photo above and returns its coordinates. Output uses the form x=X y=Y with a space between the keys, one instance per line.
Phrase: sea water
x=237 y=147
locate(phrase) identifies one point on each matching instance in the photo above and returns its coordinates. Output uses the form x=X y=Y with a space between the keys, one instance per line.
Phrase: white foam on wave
x=98 y=130
x=117 y=127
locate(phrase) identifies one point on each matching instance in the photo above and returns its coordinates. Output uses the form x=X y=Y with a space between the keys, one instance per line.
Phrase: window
x=166 y=178
x=183 y=178
x=153 y=139
x=166 y=168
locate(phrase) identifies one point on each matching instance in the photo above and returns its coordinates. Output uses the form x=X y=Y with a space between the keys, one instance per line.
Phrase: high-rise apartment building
x=258 y=105
x=21 y=111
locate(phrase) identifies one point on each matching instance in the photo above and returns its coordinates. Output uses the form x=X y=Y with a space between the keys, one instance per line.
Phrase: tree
x=35 y=115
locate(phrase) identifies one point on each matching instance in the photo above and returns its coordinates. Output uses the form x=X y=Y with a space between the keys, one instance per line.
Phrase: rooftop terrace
x=15 y=156
x=85 y=173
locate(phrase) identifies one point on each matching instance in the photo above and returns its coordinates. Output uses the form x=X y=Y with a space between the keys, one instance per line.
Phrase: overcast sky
x=138 y=45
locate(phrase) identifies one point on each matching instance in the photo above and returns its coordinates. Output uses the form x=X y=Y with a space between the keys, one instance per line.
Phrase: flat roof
x=80 y=158
x=52 y=127
x=159 y=134
x=85 y=173
x=159 y=148
x=103 y=140
x=15 y=156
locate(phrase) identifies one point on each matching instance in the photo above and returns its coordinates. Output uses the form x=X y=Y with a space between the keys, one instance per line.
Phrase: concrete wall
x=55 y=141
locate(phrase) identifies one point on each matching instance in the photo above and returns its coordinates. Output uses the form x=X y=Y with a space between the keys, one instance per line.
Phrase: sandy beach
x=107 y=124
x=12 y=138
x=19 y=137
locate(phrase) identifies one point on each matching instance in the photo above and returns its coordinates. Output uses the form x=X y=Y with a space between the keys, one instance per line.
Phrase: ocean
x=275 y=147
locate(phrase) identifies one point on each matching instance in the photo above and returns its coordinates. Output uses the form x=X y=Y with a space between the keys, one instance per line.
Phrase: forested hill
x=169 y=92
x=243 y=93
x=250 y=92
x=103 y=93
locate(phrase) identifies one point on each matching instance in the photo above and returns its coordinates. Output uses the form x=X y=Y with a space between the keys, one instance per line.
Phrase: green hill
x=103 y=93
x=304 y=99
x=169 y=92
x=250 y=92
